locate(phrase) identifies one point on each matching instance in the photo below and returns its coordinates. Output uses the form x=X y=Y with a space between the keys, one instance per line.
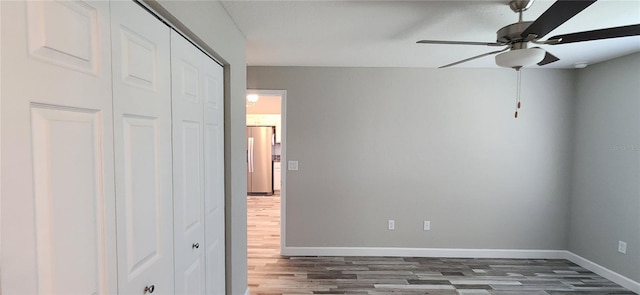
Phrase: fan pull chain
x=518 y=91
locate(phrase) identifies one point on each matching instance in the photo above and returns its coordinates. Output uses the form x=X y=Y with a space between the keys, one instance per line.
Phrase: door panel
x=142 y=128
x=69 y=201
x=139 y=64
x=141 y=194
x=188 y=167
x=64 y=33
x=192 y=189
x=189 y=89
x=58 y=212
x=193 y=278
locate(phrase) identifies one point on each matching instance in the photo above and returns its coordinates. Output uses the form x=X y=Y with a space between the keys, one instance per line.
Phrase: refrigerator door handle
x=250 y=145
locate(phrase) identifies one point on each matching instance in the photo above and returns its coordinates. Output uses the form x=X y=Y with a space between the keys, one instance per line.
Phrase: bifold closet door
x=142 y=134
x=188 y=168
x=58 y=204
x=197 y=115
x=214 y=175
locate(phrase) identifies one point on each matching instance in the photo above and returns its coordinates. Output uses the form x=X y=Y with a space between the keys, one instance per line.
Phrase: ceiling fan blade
x=472 y=58
x=557 y=14
x=616 y=32
x=548 y=58
x=459 y=43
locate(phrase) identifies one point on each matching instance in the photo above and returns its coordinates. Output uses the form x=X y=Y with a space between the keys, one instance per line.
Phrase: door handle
x=195 y=246
x=250 y=143
x=149 y=289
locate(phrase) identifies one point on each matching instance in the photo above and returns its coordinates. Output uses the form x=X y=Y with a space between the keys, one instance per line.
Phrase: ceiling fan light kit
x=517 y=59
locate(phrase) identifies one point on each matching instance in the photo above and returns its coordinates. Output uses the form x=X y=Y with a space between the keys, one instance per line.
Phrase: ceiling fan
x=517 y=36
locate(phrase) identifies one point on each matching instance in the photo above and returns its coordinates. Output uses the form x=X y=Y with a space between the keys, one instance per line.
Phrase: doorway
x=266 y=211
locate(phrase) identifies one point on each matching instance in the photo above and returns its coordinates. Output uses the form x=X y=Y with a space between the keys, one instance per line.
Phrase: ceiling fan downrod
x=519 y=6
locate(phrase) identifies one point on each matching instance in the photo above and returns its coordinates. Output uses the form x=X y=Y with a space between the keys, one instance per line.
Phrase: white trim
x=604 y=272
x=283 y=175
x=423 y=252
x=247 y=292
x=283 y=159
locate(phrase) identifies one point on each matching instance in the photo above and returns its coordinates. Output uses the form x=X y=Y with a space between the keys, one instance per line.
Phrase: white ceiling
x=368 y=33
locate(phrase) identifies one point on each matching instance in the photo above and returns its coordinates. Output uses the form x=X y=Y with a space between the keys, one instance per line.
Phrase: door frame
x=283 y=157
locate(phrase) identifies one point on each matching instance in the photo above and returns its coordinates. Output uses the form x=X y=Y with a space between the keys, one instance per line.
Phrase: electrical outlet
x=622 y=247
x=391 y=224
x=292 y=166
x=426 y=225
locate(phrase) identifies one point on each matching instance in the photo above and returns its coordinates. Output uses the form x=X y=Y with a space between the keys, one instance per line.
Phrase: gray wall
x=415 y=144
x=212 y=25
x=605 y=202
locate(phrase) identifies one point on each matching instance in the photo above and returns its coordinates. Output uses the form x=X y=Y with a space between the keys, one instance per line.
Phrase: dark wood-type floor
x=270 y=273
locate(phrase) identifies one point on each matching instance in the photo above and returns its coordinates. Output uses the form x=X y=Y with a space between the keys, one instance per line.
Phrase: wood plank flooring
x=272 y=274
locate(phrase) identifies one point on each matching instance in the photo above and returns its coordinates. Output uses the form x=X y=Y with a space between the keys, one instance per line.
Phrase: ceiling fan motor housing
x=511 y=33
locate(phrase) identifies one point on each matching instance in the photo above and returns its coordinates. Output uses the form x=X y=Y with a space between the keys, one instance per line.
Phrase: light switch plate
x=292 y=165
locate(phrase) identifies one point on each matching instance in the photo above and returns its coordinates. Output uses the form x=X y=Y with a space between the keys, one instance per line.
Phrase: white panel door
x=58 y=219
x=188 y=170
x=142 y=135
x=214 y=174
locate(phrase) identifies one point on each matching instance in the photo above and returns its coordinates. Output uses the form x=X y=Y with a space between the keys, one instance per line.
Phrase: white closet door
x=142 y=129
x=58 y=219
x=214 y=175
x=188 y=170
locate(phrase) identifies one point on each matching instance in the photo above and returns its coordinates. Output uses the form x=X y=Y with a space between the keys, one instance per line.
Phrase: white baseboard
x=422 y=252
x=604 y=272
x=466 y=253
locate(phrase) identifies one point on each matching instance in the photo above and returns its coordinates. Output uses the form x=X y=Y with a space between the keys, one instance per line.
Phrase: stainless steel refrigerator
x=260 y=141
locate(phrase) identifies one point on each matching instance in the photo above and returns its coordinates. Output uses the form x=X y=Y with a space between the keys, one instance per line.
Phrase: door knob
x=195 y=245
x=149 y=289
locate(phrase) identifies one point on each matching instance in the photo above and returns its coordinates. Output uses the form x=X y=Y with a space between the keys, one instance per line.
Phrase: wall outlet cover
x=292 y=165
x=391 y=224
x=426 y=225
x=622 y=247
